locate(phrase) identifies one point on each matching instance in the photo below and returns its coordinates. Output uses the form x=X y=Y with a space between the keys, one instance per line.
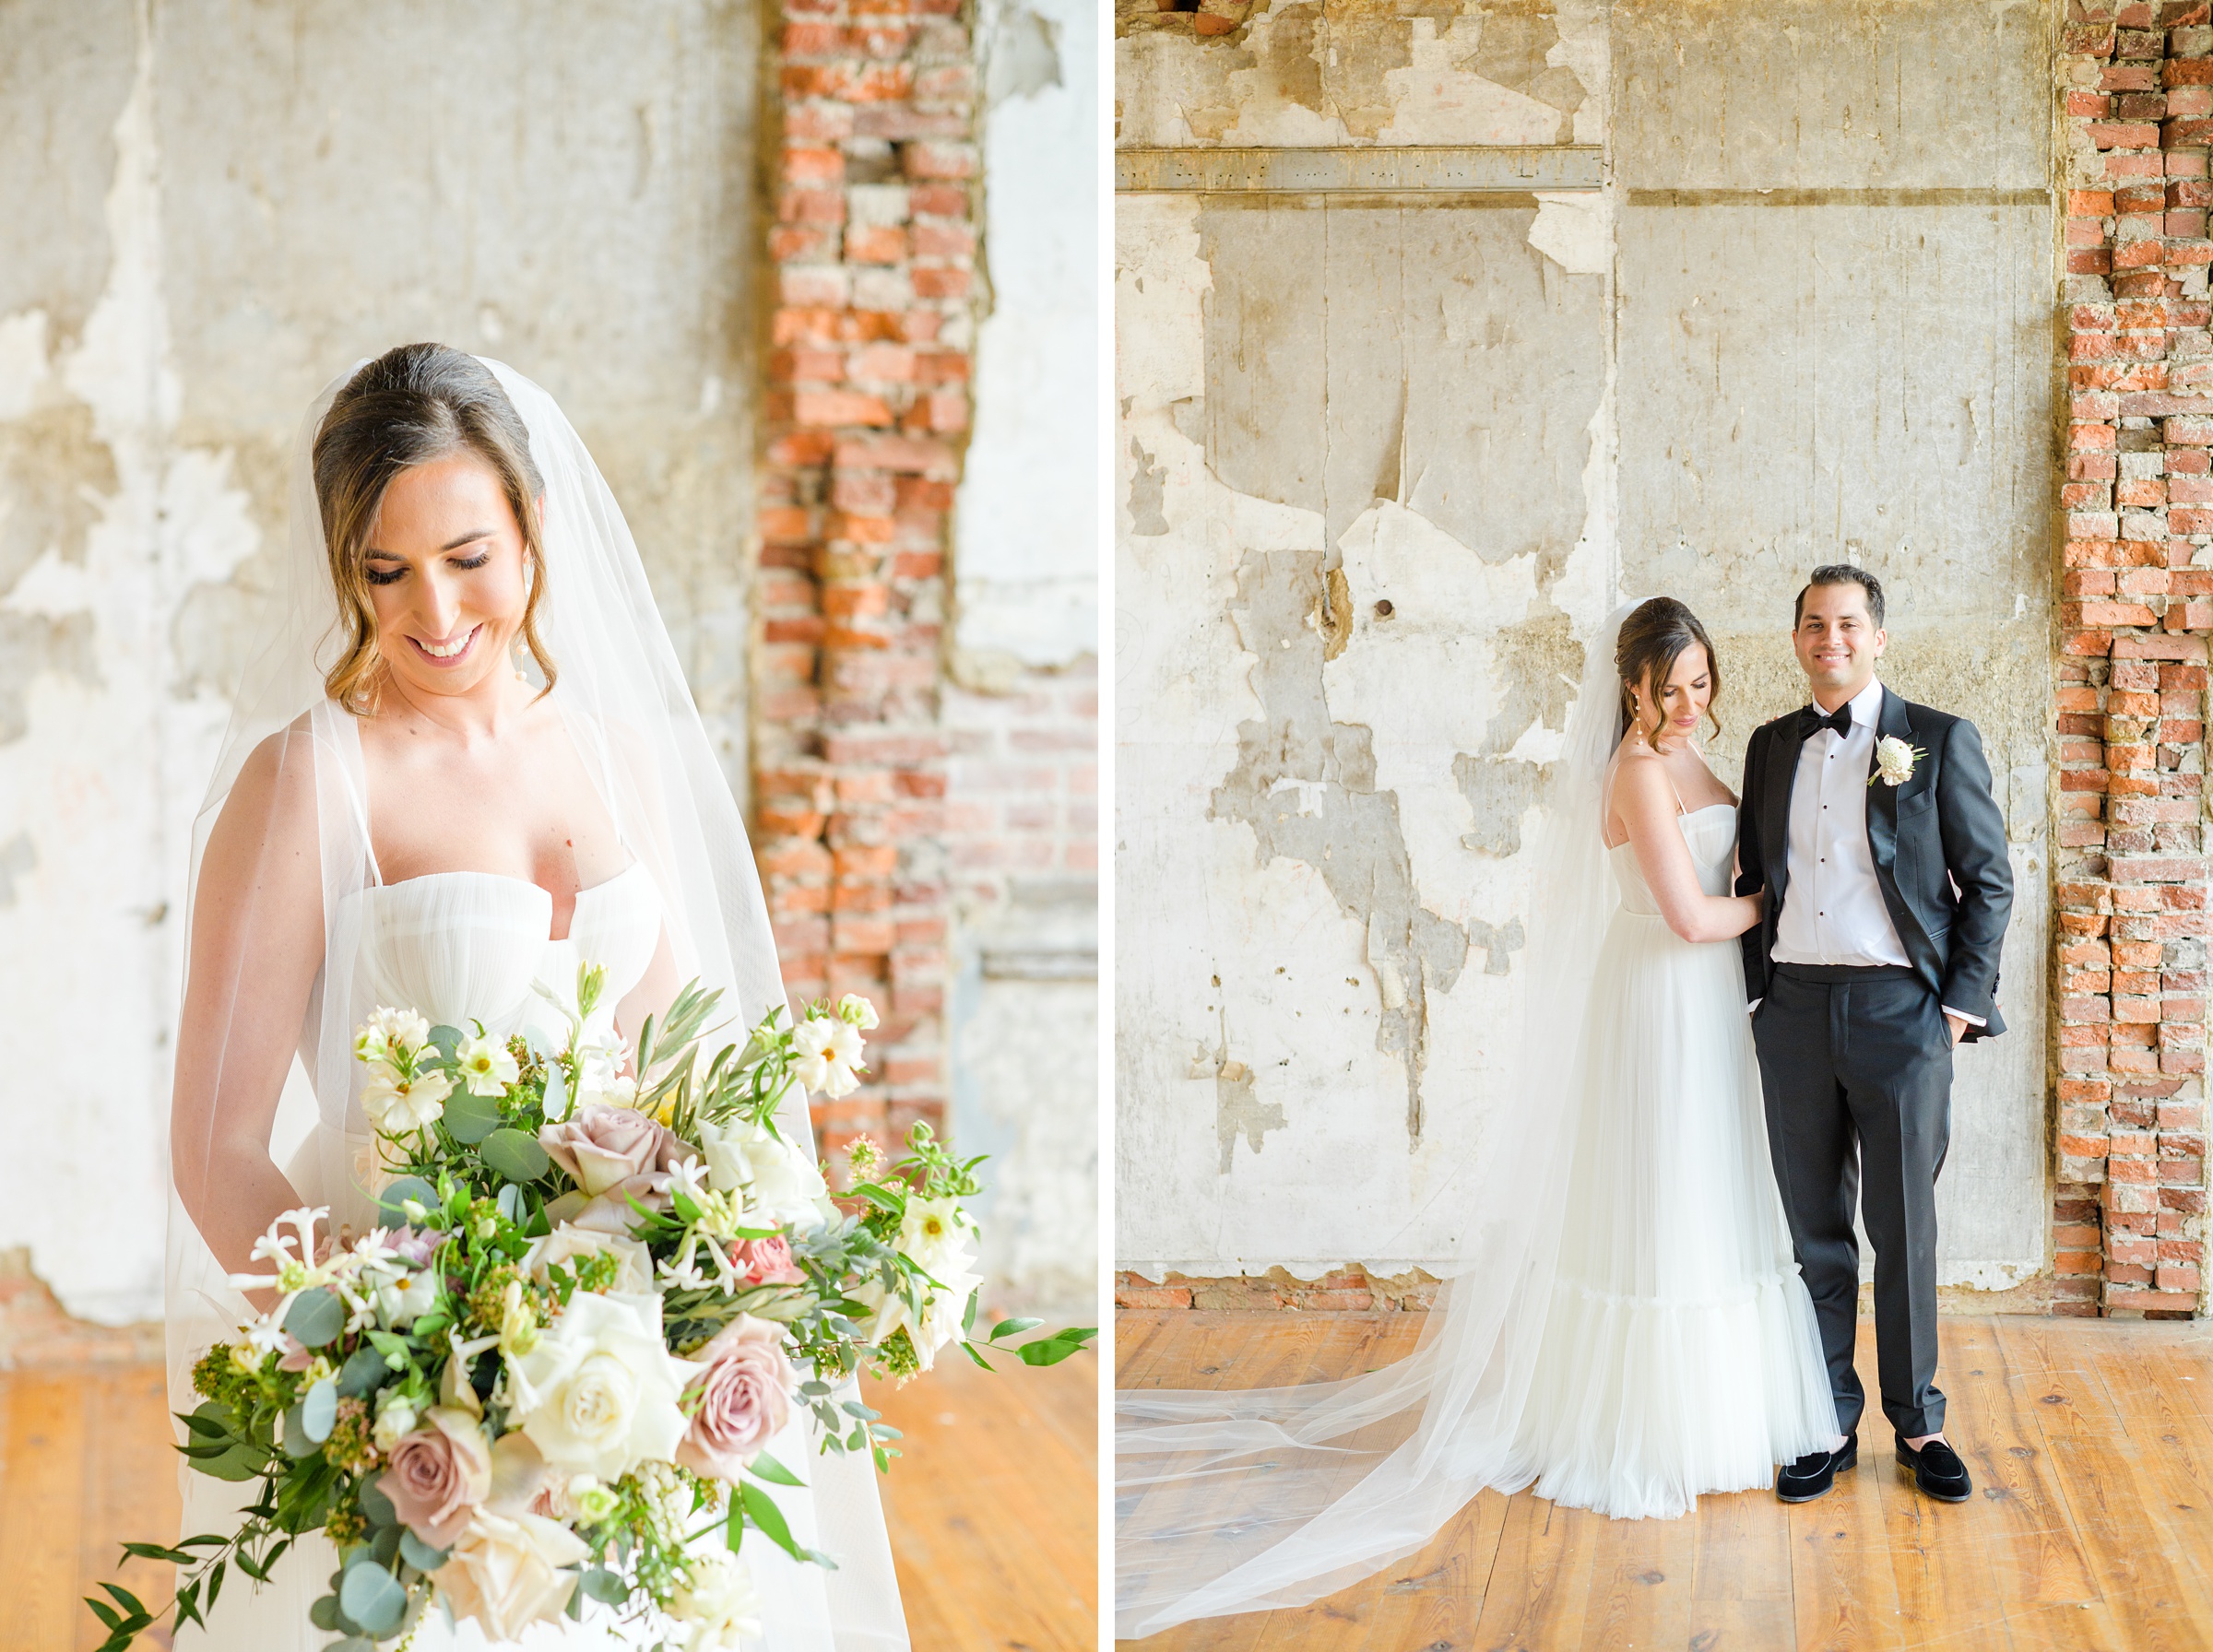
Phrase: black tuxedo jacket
x=1938 y=843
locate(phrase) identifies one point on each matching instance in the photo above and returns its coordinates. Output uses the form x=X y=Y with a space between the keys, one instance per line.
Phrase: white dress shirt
x=1832 y=908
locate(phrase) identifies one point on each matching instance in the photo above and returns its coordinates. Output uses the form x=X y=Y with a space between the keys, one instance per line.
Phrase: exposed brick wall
x=869 y=143
x=1023 y=796
x=2129 y=1216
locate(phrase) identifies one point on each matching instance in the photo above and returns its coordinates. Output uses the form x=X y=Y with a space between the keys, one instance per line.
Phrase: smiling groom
x=1870 y=823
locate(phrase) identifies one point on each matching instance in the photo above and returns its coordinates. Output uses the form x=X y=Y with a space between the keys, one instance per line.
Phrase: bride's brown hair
x=410 y=406
x=1653 y=637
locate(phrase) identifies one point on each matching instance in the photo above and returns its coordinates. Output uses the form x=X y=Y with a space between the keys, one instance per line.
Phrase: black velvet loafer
x=1937 y=1471
x=1812 y=1474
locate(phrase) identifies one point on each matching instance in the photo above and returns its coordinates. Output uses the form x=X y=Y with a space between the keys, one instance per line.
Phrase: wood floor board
x=2139 y=1581
x=42 y=1527
x=2093 y=1464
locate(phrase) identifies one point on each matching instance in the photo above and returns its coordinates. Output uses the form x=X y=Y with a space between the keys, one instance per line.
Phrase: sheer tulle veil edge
x=1234 y=1501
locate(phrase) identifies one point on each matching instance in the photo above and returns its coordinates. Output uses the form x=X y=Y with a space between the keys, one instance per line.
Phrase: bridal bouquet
x=591 y=1303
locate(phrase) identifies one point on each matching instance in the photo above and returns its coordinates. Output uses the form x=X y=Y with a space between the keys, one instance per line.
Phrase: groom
x=1870 y=823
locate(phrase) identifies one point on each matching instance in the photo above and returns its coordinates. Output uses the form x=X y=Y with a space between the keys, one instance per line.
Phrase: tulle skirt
x=1680 y=1354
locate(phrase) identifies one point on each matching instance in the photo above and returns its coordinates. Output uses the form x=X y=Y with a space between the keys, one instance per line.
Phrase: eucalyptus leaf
x=376 y=1509
x=319 y=1410
x=371 y=1596
x=363 y=1370
x=352 y=1643
x=514 y=1155
x=296 y=1443
x=392 y=1202
x=384 y=1548
x=317 y=1316
x=555 y=1101
x=470 y=1117
x=418 y=1553
x=445 y=1040
x=605 y=1586
x=242 y=1462
x=323 y=1613
x=511 y=1204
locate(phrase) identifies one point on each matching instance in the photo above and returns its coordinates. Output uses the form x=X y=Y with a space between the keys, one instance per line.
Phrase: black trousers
x=1858 y=1079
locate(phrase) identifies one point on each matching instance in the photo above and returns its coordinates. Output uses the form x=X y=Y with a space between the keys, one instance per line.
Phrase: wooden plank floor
x=2090 y=1529
x=992 y=1510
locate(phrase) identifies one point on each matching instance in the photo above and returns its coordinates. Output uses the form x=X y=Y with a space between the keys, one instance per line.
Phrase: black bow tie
x=1811 y=722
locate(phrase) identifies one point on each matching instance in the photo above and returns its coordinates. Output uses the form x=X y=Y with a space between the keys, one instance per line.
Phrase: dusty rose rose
x=603 y=1147
x=766 y=1261
x=296 y=1356
x=744 y=1397
x=438 y=1474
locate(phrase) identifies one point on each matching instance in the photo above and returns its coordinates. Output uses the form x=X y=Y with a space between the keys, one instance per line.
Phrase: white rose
x=597 y=1393
x=718 y=1607
x=773 y=1180
x=568 y=1243
x=506 y=1572
x=828 y=1051
x=397 y=1105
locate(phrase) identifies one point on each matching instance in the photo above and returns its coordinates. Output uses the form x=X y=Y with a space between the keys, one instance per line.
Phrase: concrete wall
x=231 y=204
x=1679 y=297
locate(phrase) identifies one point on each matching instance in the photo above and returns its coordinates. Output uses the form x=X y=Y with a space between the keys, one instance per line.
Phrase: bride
x=464 y=762
x=1625 y=1329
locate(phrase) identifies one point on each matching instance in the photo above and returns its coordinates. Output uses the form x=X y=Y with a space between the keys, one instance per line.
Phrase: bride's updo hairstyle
x=1655 y=636
x=411 y=406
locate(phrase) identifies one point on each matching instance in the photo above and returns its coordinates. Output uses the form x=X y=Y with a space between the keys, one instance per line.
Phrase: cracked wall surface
x=1806 y=317
x=234 y=203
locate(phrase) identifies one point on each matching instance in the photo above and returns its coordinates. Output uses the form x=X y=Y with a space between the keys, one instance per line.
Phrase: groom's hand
x=1958 y=1023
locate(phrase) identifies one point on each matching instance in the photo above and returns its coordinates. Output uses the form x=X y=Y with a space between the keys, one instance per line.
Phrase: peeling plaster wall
x=1384 y=461
x=233 y=203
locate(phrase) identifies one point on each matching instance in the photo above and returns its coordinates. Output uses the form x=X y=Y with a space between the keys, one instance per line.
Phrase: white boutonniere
x=1894 y=760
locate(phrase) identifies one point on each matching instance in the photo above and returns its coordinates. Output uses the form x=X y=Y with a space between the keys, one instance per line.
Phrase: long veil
x=1230 y=1501
x=289 y=789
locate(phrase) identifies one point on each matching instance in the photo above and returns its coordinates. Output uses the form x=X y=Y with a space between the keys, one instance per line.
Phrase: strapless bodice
x=456 y=945
x=1710 y=833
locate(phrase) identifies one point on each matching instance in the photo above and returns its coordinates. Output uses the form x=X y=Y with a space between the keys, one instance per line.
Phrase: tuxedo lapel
x=1882 y=800
x=1775 y=813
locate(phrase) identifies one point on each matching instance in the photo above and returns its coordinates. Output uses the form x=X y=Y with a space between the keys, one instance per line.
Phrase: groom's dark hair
x=1842 y=573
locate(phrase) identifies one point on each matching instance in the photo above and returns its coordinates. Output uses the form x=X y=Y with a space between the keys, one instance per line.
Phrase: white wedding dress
x=1680 y=1355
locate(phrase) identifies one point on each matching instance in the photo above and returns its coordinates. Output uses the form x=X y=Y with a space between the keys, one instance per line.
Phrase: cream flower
x=406 y=1297
x=938 y=1324
x=934 y=1231
x=773 y=1181
x=828 y=1051
x=396 y=1419
x=597 y=1393
x=487 y=1068
x=567 y=1244
x=506 y=1572
x=857 y=1012
x=391 y=1037
x=397 y=1105
x=718 y=1607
